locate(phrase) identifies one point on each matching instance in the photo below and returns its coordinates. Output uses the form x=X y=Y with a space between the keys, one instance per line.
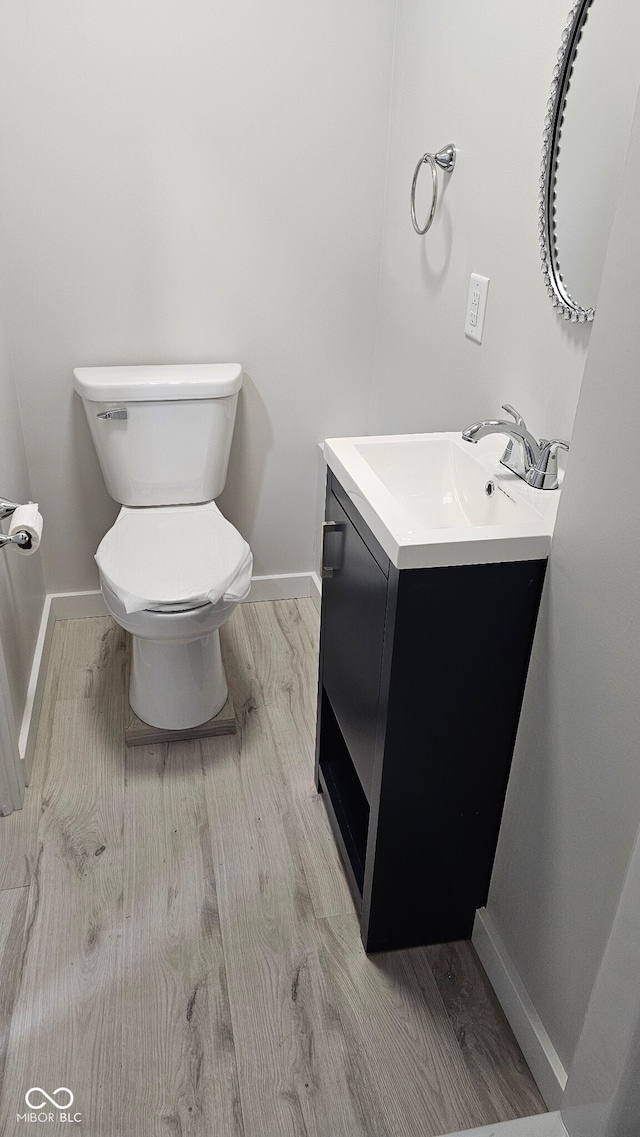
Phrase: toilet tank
x=162 y=434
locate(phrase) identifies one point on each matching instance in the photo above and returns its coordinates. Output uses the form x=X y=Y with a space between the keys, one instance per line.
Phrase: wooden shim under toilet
x=139 y=733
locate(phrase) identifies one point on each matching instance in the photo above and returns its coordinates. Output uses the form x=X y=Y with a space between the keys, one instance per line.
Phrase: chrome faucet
x=535 y=462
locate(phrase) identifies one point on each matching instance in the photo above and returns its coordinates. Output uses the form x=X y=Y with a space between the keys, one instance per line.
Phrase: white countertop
x=423 y=497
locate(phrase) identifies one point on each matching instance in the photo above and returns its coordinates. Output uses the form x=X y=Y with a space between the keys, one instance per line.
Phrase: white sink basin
x=424 y=497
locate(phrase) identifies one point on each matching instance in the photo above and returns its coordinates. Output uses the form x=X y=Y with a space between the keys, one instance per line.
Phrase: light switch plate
x=476 y=307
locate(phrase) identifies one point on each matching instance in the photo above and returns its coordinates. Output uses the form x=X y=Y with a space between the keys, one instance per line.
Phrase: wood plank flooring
x=178 y=945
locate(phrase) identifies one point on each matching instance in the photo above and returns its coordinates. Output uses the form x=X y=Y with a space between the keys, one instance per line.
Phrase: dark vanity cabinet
x=422 y=674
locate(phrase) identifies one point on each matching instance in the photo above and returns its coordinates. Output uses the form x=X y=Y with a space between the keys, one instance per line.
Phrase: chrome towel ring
x=446 y=160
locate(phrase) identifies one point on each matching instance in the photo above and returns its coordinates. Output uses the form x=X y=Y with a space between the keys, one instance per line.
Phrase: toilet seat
x=174 y=558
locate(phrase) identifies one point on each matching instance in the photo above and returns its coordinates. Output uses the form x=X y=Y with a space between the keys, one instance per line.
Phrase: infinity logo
x=39 y=1105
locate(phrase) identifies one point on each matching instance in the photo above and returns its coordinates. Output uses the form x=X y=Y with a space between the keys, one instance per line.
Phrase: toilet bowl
x=171 y=576
x=172 y=568
x=177 y=677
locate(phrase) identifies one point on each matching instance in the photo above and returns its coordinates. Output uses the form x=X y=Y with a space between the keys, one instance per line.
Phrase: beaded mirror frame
x=561 y=298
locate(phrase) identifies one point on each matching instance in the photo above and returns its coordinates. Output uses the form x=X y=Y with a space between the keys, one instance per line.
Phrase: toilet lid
x=174 y=555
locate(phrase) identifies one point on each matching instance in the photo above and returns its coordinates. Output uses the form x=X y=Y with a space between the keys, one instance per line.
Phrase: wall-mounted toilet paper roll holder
x=21 y=538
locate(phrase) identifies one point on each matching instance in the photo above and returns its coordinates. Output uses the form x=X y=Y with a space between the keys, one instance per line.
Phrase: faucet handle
x=552 y=447
x=515 y=414
x=510 y=459
x=544 y=475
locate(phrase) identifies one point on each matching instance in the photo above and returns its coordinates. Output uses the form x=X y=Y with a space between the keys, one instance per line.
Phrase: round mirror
x=586 y=132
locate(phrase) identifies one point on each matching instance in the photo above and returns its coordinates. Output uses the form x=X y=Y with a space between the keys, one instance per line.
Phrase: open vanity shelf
x=422 y=673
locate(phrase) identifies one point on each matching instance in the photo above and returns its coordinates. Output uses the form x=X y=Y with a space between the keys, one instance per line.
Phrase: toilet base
x=139 y=733
x=177 y=685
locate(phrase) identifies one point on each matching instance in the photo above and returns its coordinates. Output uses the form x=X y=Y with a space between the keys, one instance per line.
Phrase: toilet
x=172 y=568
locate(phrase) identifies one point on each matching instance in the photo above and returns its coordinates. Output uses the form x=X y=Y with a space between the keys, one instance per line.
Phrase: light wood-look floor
x=177 y=941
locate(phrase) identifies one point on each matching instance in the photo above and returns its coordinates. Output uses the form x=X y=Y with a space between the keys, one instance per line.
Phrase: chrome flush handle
x=116 y=413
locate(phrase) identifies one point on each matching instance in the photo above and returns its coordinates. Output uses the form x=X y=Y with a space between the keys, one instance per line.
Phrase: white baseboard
x=283 y=586
x=316 y=590
x=57 y=606
x=526 y=1024
x=35 y=690
x=77 y=605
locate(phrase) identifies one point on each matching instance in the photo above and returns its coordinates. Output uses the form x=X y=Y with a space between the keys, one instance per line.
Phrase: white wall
x=573 y=806
x=477 y=75
x=603 y=1093
x=193 y=181
x=205 y=181
x=21 y=579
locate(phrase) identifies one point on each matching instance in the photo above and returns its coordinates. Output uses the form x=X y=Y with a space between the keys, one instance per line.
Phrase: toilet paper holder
x=21 y=538
x=7 y=508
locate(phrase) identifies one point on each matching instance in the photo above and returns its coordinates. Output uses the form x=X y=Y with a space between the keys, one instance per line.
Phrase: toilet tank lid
x=155 y=383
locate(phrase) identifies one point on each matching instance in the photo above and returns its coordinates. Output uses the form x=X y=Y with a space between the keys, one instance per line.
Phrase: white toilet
x=172 y=568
